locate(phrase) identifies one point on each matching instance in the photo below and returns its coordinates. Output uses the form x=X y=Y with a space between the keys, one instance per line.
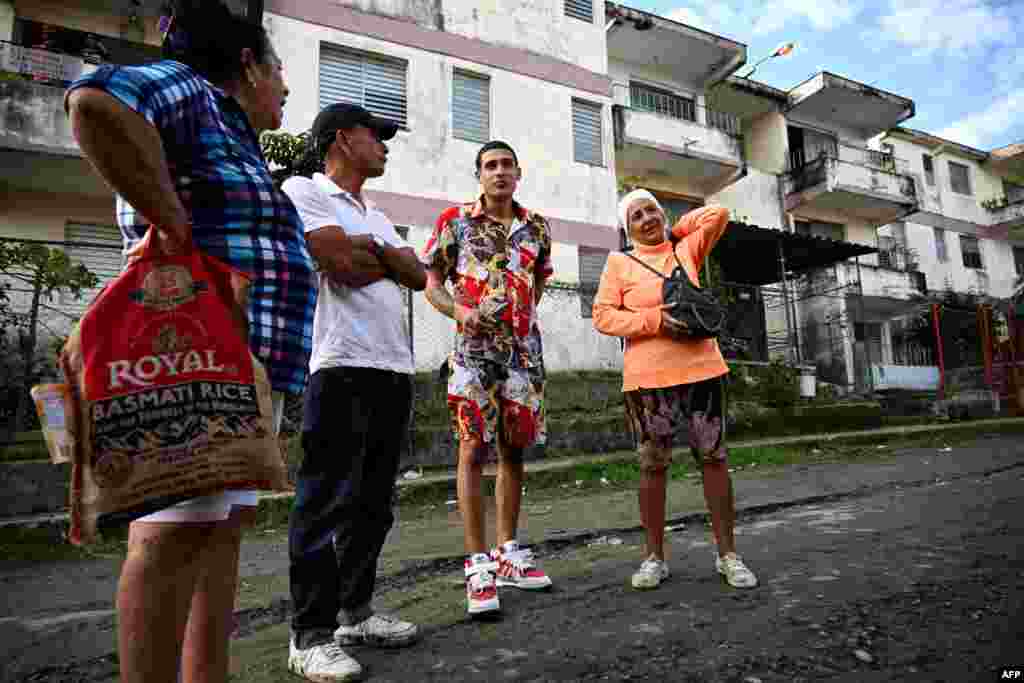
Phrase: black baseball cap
x=343 y=116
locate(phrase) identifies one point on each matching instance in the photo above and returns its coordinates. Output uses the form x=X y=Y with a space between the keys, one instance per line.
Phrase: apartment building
x=455 y=78
x=48 y=192
x=835 y=199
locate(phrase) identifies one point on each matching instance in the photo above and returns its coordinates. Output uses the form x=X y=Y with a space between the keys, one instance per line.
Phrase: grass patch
x=25 y=446
x=48 y=544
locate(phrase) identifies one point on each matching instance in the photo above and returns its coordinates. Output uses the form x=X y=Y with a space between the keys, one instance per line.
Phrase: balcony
x=696 y=150
x=1007 y=217
x=849 y=104
x=860 y=182
x=691 y=55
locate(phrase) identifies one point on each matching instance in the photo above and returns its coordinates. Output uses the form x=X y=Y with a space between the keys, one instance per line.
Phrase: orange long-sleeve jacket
x=628 y=304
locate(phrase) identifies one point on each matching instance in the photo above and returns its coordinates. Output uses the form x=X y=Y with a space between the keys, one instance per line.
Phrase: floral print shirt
x=495 y=270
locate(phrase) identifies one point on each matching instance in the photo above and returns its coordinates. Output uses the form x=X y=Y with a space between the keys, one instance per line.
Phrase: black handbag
x=699 y=311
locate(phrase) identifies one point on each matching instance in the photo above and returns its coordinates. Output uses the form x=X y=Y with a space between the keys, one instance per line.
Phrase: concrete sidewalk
x=417 y=478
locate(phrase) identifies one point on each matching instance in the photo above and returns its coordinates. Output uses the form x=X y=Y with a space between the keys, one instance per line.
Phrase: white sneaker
x=323 y=663
x=379 y=630
x=651 y=573
x=734 y=571
x=481 y=590
x=518 y=568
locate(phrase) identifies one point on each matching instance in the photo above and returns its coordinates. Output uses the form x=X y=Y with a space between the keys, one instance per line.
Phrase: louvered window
x=580 y=9
x=471 y=106
x=586 y=133
x=372 y=81
x=592 y=262
x=970 y=250
x=98 y=248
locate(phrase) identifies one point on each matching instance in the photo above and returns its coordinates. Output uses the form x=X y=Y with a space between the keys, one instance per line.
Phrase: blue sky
x=961 y=61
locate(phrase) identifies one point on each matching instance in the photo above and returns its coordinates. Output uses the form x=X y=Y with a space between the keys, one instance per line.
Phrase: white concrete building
x=592 y=95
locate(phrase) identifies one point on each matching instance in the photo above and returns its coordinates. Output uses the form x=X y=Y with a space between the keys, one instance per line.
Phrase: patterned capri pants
x=657 y=417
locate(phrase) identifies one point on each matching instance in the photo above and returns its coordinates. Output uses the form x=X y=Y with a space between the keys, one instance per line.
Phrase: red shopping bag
x=168 y=401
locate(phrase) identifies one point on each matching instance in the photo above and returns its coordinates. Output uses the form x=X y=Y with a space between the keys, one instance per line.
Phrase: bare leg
x=508 y=492
x=653 y=479
x=721 y=504
x=158 y=577
x=471 y=502
x=204 y=656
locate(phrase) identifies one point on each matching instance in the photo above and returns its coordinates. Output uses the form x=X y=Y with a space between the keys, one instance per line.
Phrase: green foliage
x=41 y=272
x=995 y=203
x=290 y=154
x=44 y=270
x=775 y=385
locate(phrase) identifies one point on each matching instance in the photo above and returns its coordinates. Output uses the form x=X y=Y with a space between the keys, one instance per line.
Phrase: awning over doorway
x=753 y=255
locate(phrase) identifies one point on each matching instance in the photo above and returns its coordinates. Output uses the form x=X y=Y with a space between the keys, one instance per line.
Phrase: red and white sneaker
x=516 y=568
x=481 y=591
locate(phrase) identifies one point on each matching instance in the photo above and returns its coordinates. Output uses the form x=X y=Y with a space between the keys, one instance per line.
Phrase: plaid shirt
x=495 y=270
x=237 y=214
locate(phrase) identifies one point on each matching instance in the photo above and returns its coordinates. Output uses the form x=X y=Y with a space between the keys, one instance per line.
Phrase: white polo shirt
x=361 y=327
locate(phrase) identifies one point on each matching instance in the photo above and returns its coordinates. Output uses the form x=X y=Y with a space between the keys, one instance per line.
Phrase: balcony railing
x=1012 y=211
x=869 y=169
x=662 y=103
x=42 y=66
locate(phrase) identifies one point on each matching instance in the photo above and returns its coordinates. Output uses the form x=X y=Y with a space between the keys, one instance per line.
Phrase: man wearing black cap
x=357 y=401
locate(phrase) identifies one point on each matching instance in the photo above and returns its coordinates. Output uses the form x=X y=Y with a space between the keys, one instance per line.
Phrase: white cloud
x=980 y=128
x=718 y=18
x=822 y=15
x=732 y=19
x=954 y=27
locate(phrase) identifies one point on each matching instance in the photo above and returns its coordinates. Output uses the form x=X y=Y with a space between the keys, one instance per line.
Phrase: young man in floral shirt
x=497 y=255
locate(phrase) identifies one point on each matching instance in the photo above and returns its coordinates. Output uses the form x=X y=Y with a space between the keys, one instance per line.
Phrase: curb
x=429 y=483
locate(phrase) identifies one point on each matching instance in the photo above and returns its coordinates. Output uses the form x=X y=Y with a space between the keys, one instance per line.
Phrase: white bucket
x=808 y=382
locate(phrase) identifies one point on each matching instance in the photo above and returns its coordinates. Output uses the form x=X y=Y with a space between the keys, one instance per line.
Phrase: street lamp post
x=781 y=51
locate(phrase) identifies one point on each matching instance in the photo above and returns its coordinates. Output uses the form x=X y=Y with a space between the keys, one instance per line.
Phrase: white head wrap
x=628 y=199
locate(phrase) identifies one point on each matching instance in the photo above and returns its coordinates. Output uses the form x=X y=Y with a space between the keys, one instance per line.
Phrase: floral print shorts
x=692 y=411
x=490 y=401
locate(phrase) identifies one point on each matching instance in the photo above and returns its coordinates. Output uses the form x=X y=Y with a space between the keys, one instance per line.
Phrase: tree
x=290 y=154
x=39 y=273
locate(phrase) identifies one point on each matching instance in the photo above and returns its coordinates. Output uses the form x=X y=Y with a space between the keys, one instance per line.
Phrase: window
x=940 y=245
x=373 y=81
x=580 y=9
x=676 y=207
x=592 y=262
x=471 y=106
x=959 y=178
x=586 y=133
x=970 y=248
x=662 y=102
x=832 y=231
x=929 y=170
x=98 y=248
x=1018 y=260
x=1013 y=192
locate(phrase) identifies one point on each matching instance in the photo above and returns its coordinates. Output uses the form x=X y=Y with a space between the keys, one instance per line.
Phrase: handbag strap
x=661 y=275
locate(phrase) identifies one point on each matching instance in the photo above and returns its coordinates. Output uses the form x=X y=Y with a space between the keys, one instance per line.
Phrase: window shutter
x=970 y=250
x=592 y=262
x=586 y=133
x=580 y=9
x=471 y=106
x=372 y=81
x=98 y=248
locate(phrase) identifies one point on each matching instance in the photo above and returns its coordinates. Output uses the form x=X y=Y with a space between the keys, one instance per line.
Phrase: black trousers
x=355 y=421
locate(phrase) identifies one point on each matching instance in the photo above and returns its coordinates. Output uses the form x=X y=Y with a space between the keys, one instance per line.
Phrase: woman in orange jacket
x=673 y=383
